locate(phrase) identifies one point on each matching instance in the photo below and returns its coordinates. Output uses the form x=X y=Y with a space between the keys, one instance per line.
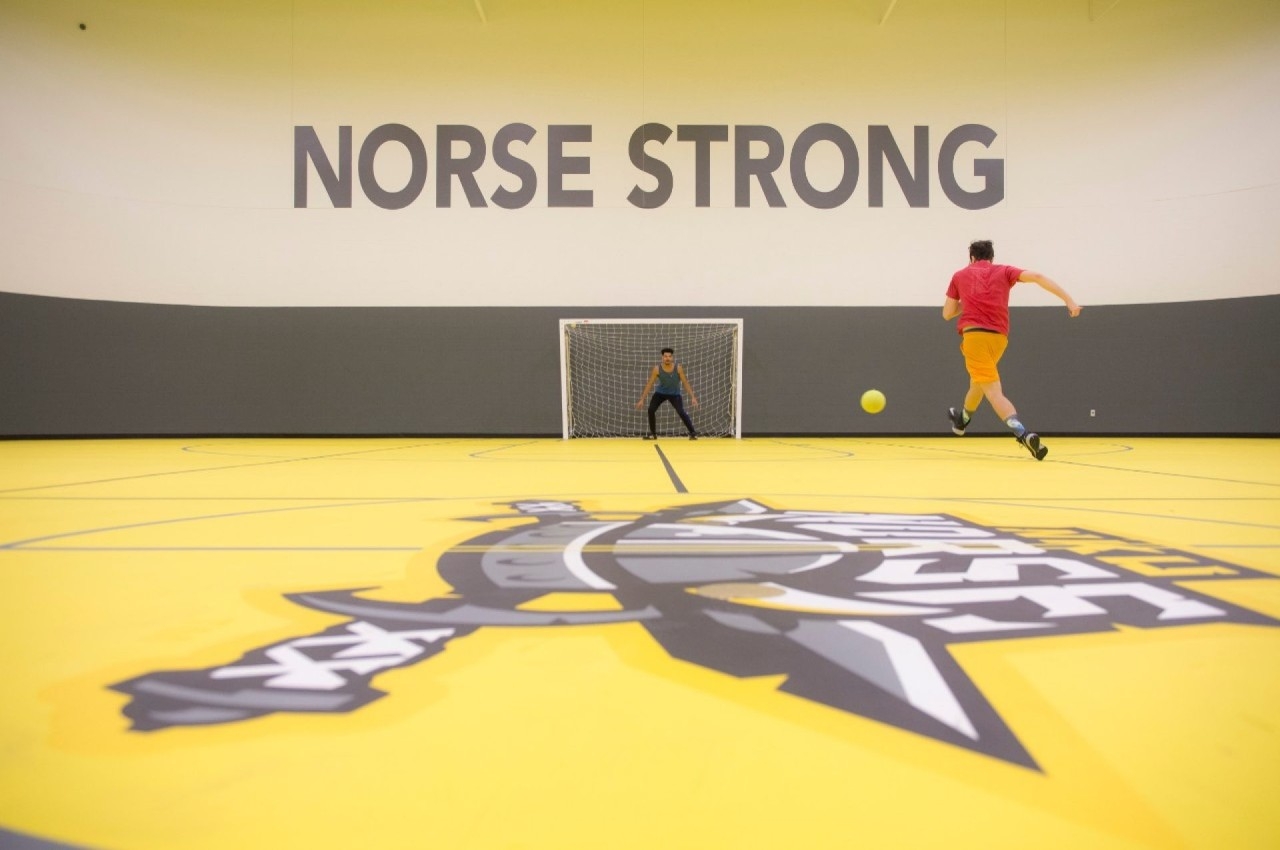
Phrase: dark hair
x=668 y=351
x=982 y=250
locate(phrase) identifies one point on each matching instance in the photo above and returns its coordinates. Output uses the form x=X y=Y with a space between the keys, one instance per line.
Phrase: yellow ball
x=873 y=401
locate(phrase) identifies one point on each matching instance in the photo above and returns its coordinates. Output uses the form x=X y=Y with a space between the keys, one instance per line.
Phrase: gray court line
x=675 y=479
x=1029 y=503
x=200 y=448
x=206 y=469
x=811 y=447
x=970 y=448
x=218 y=549
x=4 y=498
x=481 y=455
x=22 y=544
x=1032 y=503
x=1067 y=461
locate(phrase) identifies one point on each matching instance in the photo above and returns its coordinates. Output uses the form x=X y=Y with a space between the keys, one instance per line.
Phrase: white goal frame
x=566 y=366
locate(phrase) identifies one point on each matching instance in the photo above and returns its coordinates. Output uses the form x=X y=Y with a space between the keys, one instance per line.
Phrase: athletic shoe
x=693 y=436
x=650 y=437
x=958 y=422
x=1032 y=441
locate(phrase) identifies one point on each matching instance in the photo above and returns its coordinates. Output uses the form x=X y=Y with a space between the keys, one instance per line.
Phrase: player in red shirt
x=979 y=295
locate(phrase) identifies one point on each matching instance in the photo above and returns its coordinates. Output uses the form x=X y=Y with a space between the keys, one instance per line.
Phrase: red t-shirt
x=982 y=289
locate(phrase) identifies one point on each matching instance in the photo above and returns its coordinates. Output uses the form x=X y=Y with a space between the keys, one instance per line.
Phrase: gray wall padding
x=100 y=368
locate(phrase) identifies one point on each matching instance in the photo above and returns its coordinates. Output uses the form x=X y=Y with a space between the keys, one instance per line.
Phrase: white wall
x=150 y=156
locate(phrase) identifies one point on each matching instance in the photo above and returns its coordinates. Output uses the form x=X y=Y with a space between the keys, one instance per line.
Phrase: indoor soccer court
x=614 y=643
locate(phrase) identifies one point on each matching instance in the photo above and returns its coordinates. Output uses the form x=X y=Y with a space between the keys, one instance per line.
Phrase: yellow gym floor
x=536 y=643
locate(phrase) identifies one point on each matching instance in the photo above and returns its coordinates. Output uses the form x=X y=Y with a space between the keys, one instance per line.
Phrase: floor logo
x=857 y=610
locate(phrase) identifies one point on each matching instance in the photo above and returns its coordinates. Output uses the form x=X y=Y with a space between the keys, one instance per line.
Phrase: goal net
x=605 y=363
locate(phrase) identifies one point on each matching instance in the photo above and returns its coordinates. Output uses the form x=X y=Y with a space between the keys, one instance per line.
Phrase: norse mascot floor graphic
x=857 y=611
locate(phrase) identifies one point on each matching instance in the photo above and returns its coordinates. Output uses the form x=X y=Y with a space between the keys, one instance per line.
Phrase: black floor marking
x=208 y=468
x=675 y=479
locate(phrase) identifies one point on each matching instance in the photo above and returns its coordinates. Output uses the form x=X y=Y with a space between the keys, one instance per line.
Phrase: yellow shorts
x=982 y=351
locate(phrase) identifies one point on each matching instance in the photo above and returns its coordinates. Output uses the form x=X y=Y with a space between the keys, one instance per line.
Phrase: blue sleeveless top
x=669 y=382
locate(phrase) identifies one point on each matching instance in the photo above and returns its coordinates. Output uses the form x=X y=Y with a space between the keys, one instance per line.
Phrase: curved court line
x=21 y=544
x=1059 y=508
x=1123 y=448
x=479 y=455
x=551 y=458
x=1019 y=456
x=830 y=453
x=616 y=459
x=1113 y=448
x=4 y=498
x=578 y=567
x=820 y=449
x=217 y=549
x=249 y=498
x=1032 y=504
x=186 y=471
x=199 y=448
x=1170 y=474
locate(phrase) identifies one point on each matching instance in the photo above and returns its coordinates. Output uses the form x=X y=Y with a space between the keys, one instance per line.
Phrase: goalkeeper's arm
x=653 y=376
x=692 y=397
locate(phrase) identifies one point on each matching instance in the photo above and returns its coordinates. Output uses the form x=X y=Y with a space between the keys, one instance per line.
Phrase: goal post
x=605 y=363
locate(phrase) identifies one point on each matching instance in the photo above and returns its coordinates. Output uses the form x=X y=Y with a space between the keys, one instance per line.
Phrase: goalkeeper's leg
x=654 y=403
x=678 y=403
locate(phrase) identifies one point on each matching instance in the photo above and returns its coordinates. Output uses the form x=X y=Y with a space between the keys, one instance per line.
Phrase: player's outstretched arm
x=1045 y=283
x=693 y=398
x=644 y=393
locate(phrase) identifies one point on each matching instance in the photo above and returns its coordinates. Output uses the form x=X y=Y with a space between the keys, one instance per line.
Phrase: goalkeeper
x=669 y=376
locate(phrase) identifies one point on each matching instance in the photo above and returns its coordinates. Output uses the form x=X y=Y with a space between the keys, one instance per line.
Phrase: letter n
x=884 y=148
x=306 y=146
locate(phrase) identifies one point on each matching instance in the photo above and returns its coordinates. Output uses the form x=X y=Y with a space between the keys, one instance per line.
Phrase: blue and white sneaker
x=1032 y=441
